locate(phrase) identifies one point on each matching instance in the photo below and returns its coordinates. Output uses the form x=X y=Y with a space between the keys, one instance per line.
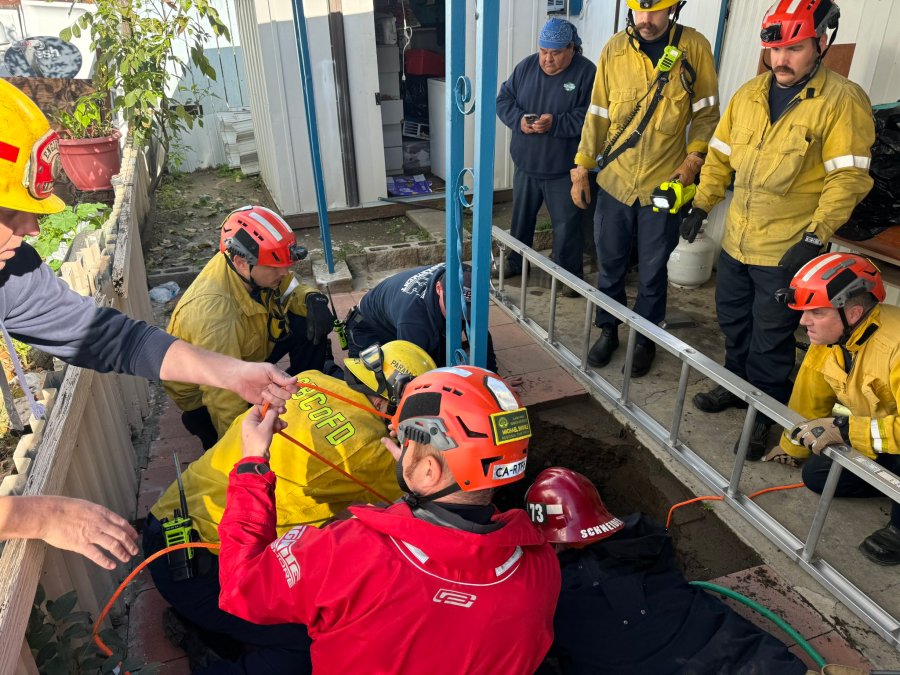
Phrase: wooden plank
x=387 y=210
x=26 y=665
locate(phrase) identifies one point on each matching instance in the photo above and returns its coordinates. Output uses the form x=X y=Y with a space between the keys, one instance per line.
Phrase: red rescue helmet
x=567 y=508
x=830 y=280
x=473 y=418
x=261 y=237
x=790 y=21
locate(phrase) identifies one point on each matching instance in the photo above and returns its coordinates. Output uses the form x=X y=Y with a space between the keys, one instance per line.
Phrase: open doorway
x=409 y=36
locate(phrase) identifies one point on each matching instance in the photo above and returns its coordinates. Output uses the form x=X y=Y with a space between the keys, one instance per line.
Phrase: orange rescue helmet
x=567 y=508
x=261 y=237
x=473 y=418
x=830 y=280
x=790 y=21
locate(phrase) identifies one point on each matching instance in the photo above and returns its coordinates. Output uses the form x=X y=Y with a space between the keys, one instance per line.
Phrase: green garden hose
x=766 y=612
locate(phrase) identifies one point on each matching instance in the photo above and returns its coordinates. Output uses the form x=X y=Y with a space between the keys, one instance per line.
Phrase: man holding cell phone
x=544 y=103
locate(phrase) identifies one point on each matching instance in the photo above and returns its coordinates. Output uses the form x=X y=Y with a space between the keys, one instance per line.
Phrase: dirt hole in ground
x=630 y=478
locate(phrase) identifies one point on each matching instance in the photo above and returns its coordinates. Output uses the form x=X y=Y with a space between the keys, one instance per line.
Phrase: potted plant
x=88 y=145
x=145 y=49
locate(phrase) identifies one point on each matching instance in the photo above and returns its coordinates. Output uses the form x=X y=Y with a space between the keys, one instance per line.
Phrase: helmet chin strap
x=249 y=280
x=848 y=329
x=412 y=499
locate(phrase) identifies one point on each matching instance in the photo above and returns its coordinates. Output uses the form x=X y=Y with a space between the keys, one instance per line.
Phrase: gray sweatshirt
x=39 y=309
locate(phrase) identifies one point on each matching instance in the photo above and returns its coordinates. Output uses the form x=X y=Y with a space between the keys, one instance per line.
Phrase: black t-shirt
x=780 y=97
x=654 y=48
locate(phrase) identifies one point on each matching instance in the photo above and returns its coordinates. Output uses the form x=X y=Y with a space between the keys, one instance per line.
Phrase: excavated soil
x=584 y=437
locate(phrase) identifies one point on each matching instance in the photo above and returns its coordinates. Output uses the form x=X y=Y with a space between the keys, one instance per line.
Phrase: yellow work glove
x=690 y=167
x=581 y=187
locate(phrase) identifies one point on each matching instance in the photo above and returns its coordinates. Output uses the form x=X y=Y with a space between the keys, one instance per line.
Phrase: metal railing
x=803 y=552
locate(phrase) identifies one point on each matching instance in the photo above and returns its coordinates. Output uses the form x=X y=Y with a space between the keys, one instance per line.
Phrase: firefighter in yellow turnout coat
x=309 y=492
x=650 y=118
x=797 y=142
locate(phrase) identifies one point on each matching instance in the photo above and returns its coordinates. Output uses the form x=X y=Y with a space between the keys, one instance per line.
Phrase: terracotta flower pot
x=90 y=163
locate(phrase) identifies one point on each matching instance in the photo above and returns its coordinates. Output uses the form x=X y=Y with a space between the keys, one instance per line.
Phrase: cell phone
x=531 y=118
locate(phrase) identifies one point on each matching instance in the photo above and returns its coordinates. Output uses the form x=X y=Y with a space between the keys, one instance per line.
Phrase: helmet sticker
x=506 y=471
x=454 y=371
x=510 y=426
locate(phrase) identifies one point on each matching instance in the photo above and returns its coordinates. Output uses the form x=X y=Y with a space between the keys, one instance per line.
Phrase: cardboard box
x=388 y=58
x=393 y=160
x=391 y=112
x=389 y=84
x=393 y=135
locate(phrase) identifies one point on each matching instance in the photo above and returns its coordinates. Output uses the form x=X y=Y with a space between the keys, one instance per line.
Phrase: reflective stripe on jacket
x=218 y=314
x=309 y=492
x=806 y=172
x=624 y=75
x=871 y=390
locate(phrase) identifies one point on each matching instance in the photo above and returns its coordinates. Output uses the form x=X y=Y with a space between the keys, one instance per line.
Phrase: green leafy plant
x=139 y=46
x=60 y=640
x=86 y=119
x=59 y=229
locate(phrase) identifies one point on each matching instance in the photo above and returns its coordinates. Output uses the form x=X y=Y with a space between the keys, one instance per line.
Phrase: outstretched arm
x=69 y=524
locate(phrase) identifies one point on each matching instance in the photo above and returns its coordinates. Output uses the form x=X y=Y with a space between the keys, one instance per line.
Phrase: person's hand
x=801 y=253
x=258 y=383
x=319 y=319
x=525 y=127
x=257 y=432
x=581 y=187
x=817 y=434
x=689 y=169
x=691 y=224
x=392 y=447
x=80 y=526
x=543 y=124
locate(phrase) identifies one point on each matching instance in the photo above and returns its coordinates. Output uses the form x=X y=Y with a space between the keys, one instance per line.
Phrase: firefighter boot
x=605 y=345
x=883 y=546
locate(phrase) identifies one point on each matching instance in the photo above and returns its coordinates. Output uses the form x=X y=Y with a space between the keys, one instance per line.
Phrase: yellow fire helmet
x=651 y=5
x=29 y=155
x=385 y=371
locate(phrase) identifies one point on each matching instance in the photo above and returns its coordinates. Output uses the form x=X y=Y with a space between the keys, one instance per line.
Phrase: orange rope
x=336 y=467
x=137 y=570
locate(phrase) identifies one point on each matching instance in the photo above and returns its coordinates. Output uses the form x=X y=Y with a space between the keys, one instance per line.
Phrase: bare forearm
x=186 y=363
x=20 y=518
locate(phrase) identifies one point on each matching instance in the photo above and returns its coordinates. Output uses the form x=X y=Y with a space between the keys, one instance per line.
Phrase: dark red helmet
x=830 y=280
x=567 y=508
x=790 y=21
x=261 y=237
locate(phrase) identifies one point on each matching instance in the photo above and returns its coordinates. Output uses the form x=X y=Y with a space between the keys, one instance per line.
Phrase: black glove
x=801 y=253
x=319 y=319
x=691 y=224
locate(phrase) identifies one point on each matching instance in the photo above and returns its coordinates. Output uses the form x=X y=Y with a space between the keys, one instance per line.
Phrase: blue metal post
x=486 y=50
x=456 y=98
x=720 y=32
x=312 y=130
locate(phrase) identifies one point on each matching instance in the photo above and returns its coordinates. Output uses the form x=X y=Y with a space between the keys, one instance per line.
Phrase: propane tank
x=690 y=264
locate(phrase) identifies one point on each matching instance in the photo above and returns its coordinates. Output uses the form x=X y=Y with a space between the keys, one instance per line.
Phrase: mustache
x=784 y=69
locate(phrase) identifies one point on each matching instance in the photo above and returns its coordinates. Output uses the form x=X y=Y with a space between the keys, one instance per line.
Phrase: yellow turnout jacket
x=218 y=314
x=871 y=390
x=308 y=492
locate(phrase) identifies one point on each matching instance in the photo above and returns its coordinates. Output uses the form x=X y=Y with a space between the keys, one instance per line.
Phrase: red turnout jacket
x=386 y=592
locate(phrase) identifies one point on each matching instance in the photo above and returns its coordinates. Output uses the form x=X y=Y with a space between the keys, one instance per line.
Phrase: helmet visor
x=43 y=166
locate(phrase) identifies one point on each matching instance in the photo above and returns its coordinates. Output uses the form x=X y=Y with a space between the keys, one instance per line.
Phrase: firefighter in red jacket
x=440 y=580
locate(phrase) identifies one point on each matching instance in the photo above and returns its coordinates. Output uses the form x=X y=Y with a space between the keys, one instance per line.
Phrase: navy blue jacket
x=565 y=95
x=406 y=307
x=39 y=309
x=626 y=609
